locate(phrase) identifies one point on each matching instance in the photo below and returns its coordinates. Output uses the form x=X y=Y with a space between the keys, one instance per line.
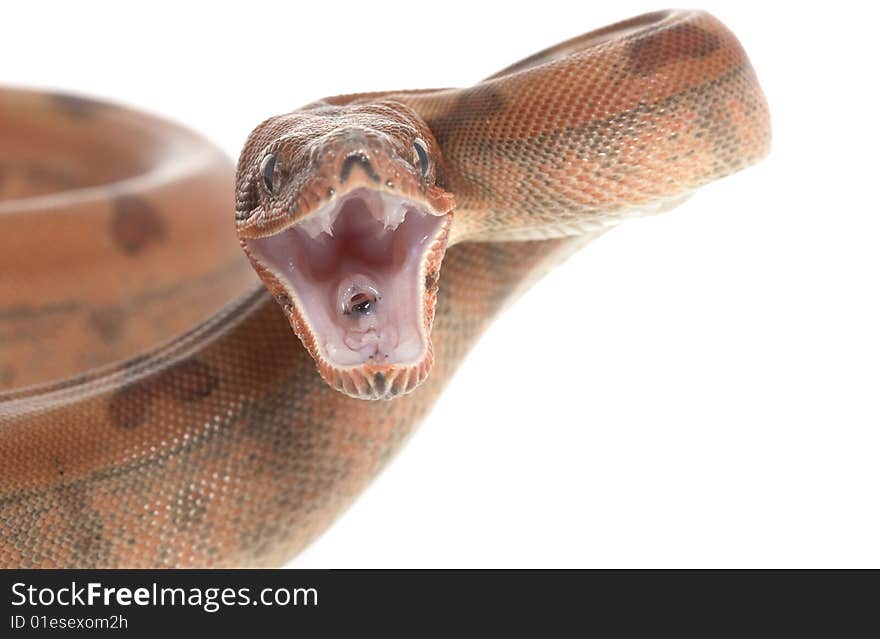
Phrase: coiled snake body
x=224 y=447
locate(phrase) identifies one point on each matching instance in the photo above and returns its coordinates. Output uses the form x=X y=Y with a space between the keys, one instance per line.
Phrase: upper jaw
x=321 y=176
x=365 y=248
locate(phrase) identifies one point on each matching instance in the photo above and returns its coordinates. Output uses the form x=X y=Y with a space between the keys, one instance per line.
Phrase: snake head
x=344 y=214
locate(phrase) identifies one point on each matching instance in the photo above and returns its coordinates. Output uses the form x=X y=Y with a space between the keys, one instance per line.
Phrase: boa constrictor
x=223 y=446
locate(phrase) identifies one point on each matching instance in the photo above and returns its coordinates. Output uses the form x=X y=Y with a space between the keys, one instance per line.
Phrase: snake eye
x=420 y=156
x=267 y=170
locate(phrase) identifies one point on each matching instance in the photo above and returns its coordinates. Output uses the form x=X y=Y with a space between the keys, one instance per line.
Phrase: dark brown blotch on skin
x=473 y=104
x=108 y=323
x=128 y=407
x=136 y=224
x=75 y=106
x=659 y=48
x=189 y=380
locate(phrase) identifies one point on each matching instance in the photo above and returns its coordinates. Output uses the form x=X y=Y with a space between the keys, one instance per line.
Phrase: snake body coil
x=391 y=228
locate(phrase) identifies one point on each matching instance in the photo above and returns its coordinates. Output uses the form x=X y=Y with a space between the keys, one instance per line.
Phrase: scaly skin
x=224 y=447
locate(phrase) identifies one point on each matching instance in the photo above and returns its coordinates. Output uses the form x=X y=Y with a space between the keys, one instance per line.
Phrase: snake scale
x=388 y=230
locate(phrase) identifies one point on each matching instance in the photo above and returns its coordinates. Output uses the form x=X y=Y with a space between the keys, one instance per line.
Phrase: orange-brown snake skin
x=234 y=443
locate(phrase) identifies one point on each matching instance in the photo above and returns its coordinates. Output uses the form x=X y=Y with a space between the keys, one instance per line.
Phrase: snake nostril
x=357 y=159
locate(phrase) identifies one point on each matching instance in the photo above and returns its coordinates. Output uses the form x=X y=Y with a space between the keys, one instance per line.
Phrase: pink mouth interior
x=353 y=269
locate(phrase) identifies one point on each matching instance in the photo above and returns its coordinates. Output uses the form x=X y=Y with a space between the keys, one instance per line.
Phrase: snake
x=184 y=386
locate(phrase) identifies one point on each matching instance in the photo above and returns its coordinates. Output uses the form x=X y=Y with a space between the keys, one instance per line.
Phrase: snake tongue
x=354 y=271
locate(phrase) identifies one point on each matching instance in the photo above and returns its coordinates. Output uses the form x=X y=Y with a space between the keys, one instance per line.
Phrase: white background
x=694 y=389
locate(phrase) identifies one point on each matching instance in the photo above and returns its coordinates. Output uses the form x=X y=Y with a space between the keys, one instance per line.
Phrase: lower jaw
x=380 y=355
x=375 y=382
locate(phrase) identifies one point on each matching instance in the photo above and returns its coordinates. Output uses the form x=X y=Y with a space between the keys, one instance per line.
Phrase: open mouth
x=354 y=270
